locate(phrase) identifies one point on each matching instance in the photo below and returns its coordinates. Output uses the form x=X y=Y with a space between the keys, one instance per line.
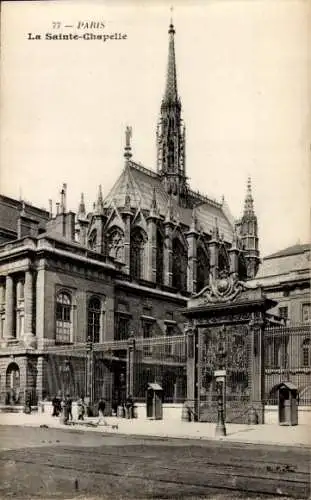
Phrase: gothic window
x=116 y=245
x=160 y=245
x=93 y=240
x=63 y=318
x=180 y=261
x=137 y=254
x=222 y=259
x=202 y=269
x=306 y=353
x=93 y=319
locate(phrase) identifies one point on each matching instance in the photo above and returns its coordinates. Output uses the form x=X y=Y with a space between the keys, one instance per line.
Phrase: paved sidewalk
x=266 y=434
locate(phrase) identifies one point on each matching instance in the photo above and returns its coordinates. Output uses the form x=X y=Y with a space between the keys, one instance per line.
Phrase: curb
x=104 y=430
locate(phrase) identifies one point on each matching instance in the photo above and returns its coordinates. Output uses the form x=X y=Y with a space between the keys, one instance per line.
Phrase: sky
x=243 y=71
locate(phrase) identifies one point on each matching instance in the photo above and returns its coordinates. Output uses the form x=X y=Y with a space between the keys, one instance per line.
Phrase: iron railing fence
x=288 y=358
x=164 y=359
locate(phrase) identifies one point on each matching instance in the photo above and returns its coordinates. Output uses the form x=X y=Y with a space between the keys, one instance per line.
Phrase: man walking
x=101 y=410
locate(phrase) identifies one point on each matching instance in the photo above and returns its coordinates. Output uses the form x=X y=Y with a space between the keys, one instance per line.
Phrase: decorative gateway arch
x=225 y=330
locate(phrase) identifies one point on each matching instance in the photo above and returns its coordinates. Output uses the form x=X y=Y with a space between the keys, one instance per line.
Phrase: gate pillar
x=256 y=360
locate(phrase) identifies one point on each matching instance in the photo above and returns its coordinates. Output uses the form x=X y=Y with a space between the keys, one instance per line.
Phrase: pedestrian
x=81 y=409
x=69 y=406
x=55 y=405
x=101 y=410
x=129 y=405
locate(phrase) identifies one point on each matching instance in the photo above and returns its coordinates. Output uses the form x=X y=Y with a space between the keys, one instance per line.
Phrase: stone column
x=9 y=305
x=257 y=367
x=40 y=377
x=2 y=306
x=28 y=297
x=130 y=366
x=127 y=241
x=192 y=261
x=213 y=247
x=151 y=268
x=167 y=255
x=192 y=360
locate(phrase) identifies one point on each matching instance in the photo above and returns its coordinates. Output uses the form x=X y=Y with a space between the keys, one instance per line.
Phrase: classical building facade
x=285 y=277
x=125 y=269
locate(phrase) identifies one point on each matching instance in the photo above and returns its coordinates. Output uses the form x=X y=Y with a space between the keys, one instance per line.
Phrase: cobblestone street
x=55 y=463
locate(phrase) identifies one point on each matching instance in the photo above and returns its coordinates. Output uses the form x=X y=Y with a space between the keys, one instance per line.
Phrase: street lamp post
x=65 y=376
x=90 y=382
x=220 y=376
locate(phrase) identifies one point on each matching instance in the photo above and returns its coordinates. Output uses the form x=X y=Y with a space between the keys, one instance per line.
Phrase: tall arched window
x=93 y=240
x=202 y=268
x=223 y=263
x=180 y=262
x=160 y=244
x=137 y=254
x=116 y=244
x=63 y=318
x=93 y=320
x=306 y=353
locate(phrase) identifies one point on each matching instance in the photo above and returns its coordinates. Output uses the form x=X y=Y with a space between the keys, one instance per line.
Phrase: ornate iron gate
x=232 y=344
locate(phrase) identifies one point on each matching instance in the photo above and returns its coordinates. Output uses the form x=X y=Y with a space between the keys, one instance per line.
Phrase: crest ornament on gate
x=225 y=288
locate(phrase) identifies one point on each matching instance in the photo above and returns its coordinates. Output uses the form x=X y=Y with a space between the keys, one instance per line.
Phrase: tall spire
x=249 y=201
x=171 y=162
x=171 y=94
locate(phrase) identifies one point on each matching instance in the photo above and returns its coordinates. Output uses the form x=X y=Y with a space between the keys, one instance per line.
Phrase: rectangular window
x=306 y=313
x=122 y=328
x=283 y=312
x=170 y=331
x=147 y=327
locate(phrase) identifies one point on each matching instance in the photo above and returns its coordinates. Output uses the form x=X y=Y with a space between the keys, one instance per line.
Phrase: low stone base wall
x=236 y=413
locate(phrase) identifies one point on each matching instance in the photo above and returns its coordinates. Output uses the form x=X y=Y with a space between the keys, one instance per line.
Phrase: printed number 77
x=56 y=25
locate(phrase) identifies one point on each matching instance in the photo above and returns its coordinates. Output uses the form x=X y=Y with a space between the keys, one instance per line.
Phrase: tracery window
x=93 y=240
x=93 y=320
x=116 y=245
x=63 y=318
x=159 y=272
x=223 y=264
x=180 y=262
x=202 y=269
x=137 y=254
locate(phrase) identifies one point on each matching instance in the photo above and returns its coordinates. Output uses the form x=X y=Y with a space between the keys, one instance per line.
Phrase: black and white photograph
x=155 y=307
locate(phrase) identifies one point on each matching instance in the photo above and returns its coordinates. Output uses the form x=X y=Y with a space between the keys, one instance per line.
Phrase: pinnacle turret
x=99 y=205
x=81 y=208
x=249 y=201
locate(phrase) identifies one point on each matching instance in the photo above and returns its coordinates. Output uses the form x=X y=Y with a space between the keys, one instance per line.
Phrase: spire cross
x=128 y=147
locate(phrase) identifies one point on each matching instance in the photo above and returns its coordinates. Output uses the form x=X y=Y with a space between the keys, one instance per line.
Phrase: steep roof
x=140 y=183
x=292 y=250
x=292 y=263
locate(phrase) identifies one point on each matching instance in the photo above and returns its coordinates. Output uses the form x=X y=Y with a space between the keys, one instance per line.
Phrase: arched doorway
x=12 y=384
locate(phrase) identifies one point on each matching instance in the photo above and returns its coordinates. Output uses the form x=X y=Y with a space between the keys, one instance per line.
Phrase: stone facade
x=126 y=268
